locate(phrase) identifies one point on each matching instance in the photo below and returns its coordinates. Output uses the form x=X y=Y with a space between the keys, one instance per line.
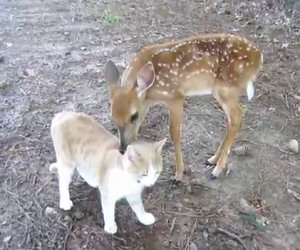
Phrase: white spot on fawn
x=162 y=83
x=199 y=92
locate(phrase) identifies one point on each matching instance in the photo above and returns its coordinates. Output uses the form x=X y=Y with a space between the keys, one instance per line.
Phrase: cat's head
x=143 y=161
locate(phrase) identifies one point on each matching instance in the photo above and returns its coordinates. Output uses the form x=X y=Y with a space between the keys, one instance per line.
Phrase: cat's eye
x=134 y=117
x=145 y=173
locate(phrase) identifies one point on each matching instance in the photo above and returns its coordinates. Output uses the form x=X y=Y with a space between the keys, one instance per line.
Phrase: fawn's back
x=197 y=65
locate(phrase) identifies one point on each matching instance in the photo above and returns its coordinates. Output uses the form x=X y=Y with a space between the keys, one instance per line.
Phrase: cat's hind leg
x=65 y=173
x=53 y=168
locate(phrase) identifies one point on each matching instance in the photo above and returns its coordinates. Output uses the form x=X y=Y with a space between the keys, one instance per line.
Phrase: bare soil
x=52 y=55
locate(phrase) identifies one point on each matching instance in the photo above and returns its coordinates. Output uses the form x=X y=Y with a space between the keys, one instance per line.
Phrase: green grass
x=245 y=110
x=110 y=17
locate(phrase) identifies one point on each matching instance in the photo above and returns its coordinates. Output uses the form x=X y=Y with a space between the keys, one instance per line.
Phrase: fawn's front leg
x=176 y=111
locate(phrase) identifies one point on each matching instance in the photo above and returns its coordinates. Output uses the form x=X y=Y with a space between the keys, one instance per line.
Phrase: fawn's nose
x=121 y=150
x=123 y=144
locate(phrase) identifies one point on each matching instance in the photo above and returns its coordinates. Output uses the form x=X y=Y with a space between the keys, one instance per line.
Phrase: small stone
x=189 y=188
x=227 y=12
x=232 y=243
x=79 y=215
x=166 y=243
x=50 y=211
x=9 y=45
x=241 y=150
x=193 y=246
x=67 y=218
x=211 y=230
x=6 y=239
x=205 y=234
x=68 y=53
x=83 y=48
x=28 y=72
x=294 y=146
x=3 y=84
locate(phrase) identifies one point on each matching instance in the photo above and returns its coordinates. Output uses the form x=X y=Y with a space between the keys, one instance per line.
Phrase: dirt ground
x=52 y=55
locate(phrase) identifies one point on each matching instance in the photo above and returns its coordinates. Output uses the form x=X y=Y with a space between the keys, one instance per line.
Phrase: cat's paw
x=66 y=204
x=111 y=228
x=53 y=168
x=147 y=219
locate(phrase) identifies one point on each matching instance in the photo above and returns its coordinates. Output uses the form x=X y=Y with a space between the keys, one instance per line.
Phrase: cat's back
x=79 y=128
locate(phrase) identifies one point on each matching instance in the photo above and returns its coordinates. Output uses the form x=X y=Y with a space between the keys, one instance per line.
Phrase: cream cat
x=83 y=144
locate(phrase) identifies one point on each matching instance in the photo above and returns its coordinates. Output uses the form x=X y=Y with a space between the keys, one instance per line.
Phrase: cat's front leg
x=108 y=210
x=136 y=203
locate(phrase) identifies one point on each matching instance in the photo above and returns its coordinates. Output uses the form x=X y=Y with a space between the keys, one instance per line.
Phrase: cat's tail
x=53 y=168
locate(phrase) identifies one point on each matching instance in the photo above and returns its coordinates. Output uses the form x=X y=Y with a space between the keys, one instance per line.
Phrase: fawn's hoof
x=174 y=182
x=212 y=176
x=208 y=164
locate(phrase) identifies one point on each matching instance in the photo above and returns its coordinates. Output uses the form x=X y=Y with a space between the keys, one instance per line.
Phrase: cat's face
x=143 y=161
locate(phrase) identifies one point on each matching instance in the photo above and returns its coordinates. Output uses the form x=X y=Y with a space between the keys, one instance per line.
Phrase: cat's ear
x=131 y=153
x=160 y=144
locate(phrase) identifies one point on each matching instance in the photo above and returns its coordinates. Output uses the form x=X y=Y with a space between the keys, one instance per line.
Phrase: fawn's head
x=125 y=101
x=143 y=161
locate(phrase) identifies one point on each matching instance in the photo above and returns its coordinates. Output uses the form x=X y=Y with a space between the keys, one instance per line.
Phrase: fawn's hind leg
x=230 y=105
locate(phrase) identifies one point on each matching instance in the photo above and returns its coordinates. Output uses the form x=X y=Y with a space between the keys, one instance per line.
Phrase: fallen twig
x=209 y=136
x=233 y=236
x=184 y=214
x=67 y=236
x=191 y=235
x=172 y=225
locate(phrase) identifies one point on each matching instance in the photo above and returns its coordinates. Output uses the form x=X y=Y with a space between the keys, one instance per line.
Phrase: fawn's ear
x=145 y=78
x=160 y=144
x=111 y=73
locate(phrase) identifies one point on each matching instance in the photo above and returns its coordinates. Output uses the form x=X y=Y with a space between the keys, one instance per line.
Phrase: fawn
x=222 y=65
x=82 y=143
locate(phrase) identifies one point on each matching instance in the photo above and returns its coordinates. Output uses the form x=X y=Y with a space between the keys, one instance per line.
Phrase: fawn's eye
x=134 y=117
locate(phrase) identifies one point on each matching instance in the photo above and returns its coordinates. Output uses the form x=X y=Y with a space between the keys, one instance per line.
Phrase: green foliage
x=110 y=17
x=245 y=110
